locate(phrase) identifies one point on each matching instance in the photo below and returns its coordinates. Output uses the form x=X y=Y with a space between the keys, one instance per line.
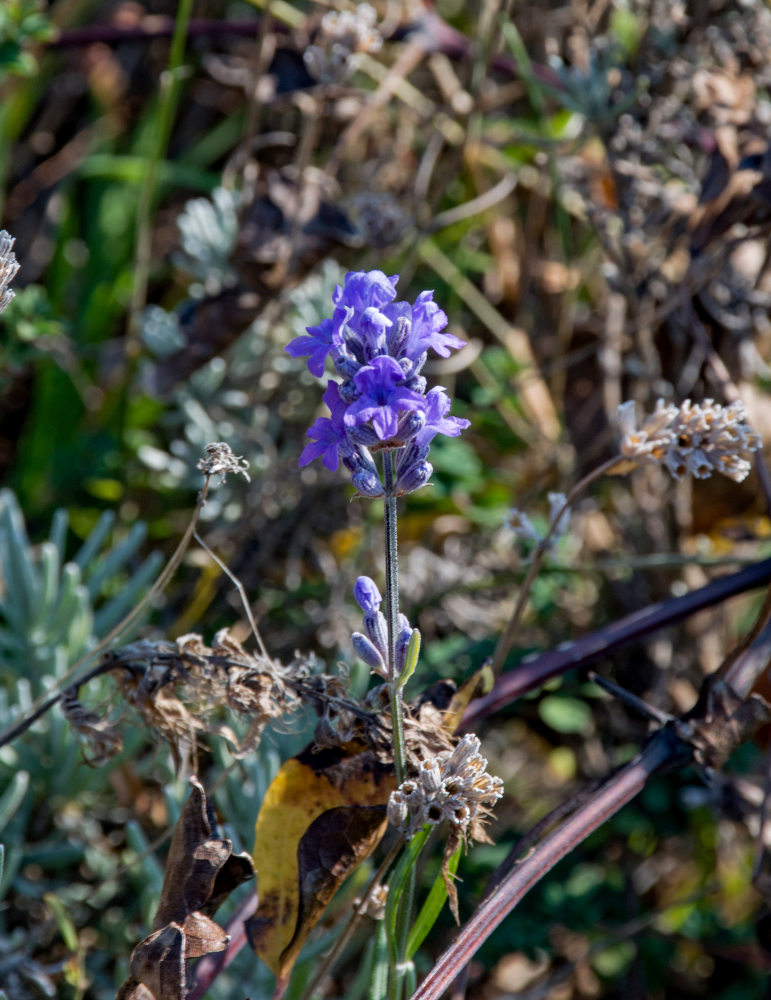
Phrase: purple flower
x=363 y=289
x=437 y=406
x=381 y=397
x=428 y=321
x=327 y=433
x=379 y=347
x=367 y=595
x=316 y=347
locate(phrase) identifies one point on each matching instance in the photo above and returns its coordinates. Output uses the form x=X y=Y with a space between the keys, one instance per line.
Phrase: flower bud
x=417 y=383
x=402 y=642
x=363 y=434
x=348 y=391
x=409 y=425
x=413 y=477
x=377 y=630
x=367 y=484
x=398 y=334
x=367 y=595
x=367 y=652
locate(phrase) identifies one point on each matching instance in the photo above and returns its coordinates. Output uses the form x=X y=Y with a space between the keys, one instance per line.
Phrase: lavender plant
x=383 y=419
x=382 y=408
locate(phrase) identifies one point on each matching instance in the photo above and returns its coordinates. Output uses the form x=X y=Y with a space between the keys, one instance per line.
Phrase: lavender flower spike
x=378 y=347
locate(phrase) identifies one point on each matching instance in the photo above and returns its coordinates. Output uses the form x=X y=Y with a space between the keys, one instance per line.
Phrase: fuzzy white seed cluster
x=8 y=268
x=694 y=439
x=332 y=58
x=452 y=786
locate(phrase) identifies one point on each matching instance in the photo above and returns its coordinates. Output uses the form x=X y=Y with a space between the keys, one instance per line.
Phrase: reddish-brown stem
x=533 y=673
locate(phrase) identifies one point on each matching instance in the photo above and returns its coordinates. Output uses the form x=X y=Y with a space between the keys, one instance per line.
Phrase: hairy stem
x=392 y=614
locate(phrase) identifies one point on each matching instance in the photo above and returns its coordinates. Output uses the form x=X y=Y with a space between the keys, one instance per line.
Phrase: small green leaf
x=411 y=660
x=564 y=714
x=63 y=920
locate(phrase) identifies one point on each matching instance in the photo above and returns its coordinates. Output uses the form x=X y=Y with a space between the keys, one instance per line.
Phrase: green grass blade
x=431 y=908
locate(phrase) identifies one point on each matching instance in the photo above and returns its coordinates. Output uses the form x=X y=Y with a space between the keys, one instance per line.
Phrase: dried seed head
x=219 y=460
x=693 y=439
x=343 y=33
x=8 y=268
x=452 y=786
x=398 y=813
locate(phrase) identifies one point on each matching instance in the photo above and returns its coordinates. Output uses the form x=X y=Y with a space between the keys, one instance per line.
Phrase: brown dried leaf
x=201 y=871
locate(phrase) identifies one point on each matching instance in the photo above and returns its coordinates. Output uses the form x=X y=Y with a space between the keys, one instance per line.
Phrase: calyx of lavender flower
x=378 y=347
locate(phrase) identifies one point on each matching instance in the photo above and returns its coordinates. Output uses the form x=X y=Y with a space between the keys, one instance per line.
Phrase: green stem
x=392 y=615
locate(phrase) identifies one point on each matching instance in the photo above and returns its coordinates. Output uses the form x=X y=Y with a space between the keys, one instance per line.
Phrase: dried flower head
x=375 y=906
x=9 y=266
x=342 y=35
x=219 y=460
x=559 y=521
x=693 y=439
x=452 y=786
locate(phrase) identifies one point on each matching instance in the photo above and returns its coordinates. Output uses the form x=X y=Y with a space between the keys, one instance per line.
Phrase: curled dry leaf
x=201 y=872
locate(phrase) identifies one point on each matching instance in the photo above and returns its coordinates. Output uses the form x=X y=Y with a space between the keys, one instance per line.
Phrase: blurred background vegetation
x=586 y=185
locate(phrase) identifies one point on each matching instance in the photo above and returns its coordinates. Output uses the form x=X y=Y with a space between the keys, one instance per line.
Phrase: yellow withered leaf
x=323 y=814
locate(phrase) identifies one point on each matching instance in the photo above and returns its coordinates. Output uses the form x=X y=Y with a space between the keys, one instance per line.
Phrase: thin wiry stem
x=505 y=642
x=242 y=593
x=532 y=673
x=334 y=953
x=49 y=699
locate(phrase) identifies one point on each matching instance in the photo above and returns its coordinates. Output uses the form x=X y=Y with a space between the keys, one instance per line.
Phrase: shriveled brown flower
x=180 y=688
